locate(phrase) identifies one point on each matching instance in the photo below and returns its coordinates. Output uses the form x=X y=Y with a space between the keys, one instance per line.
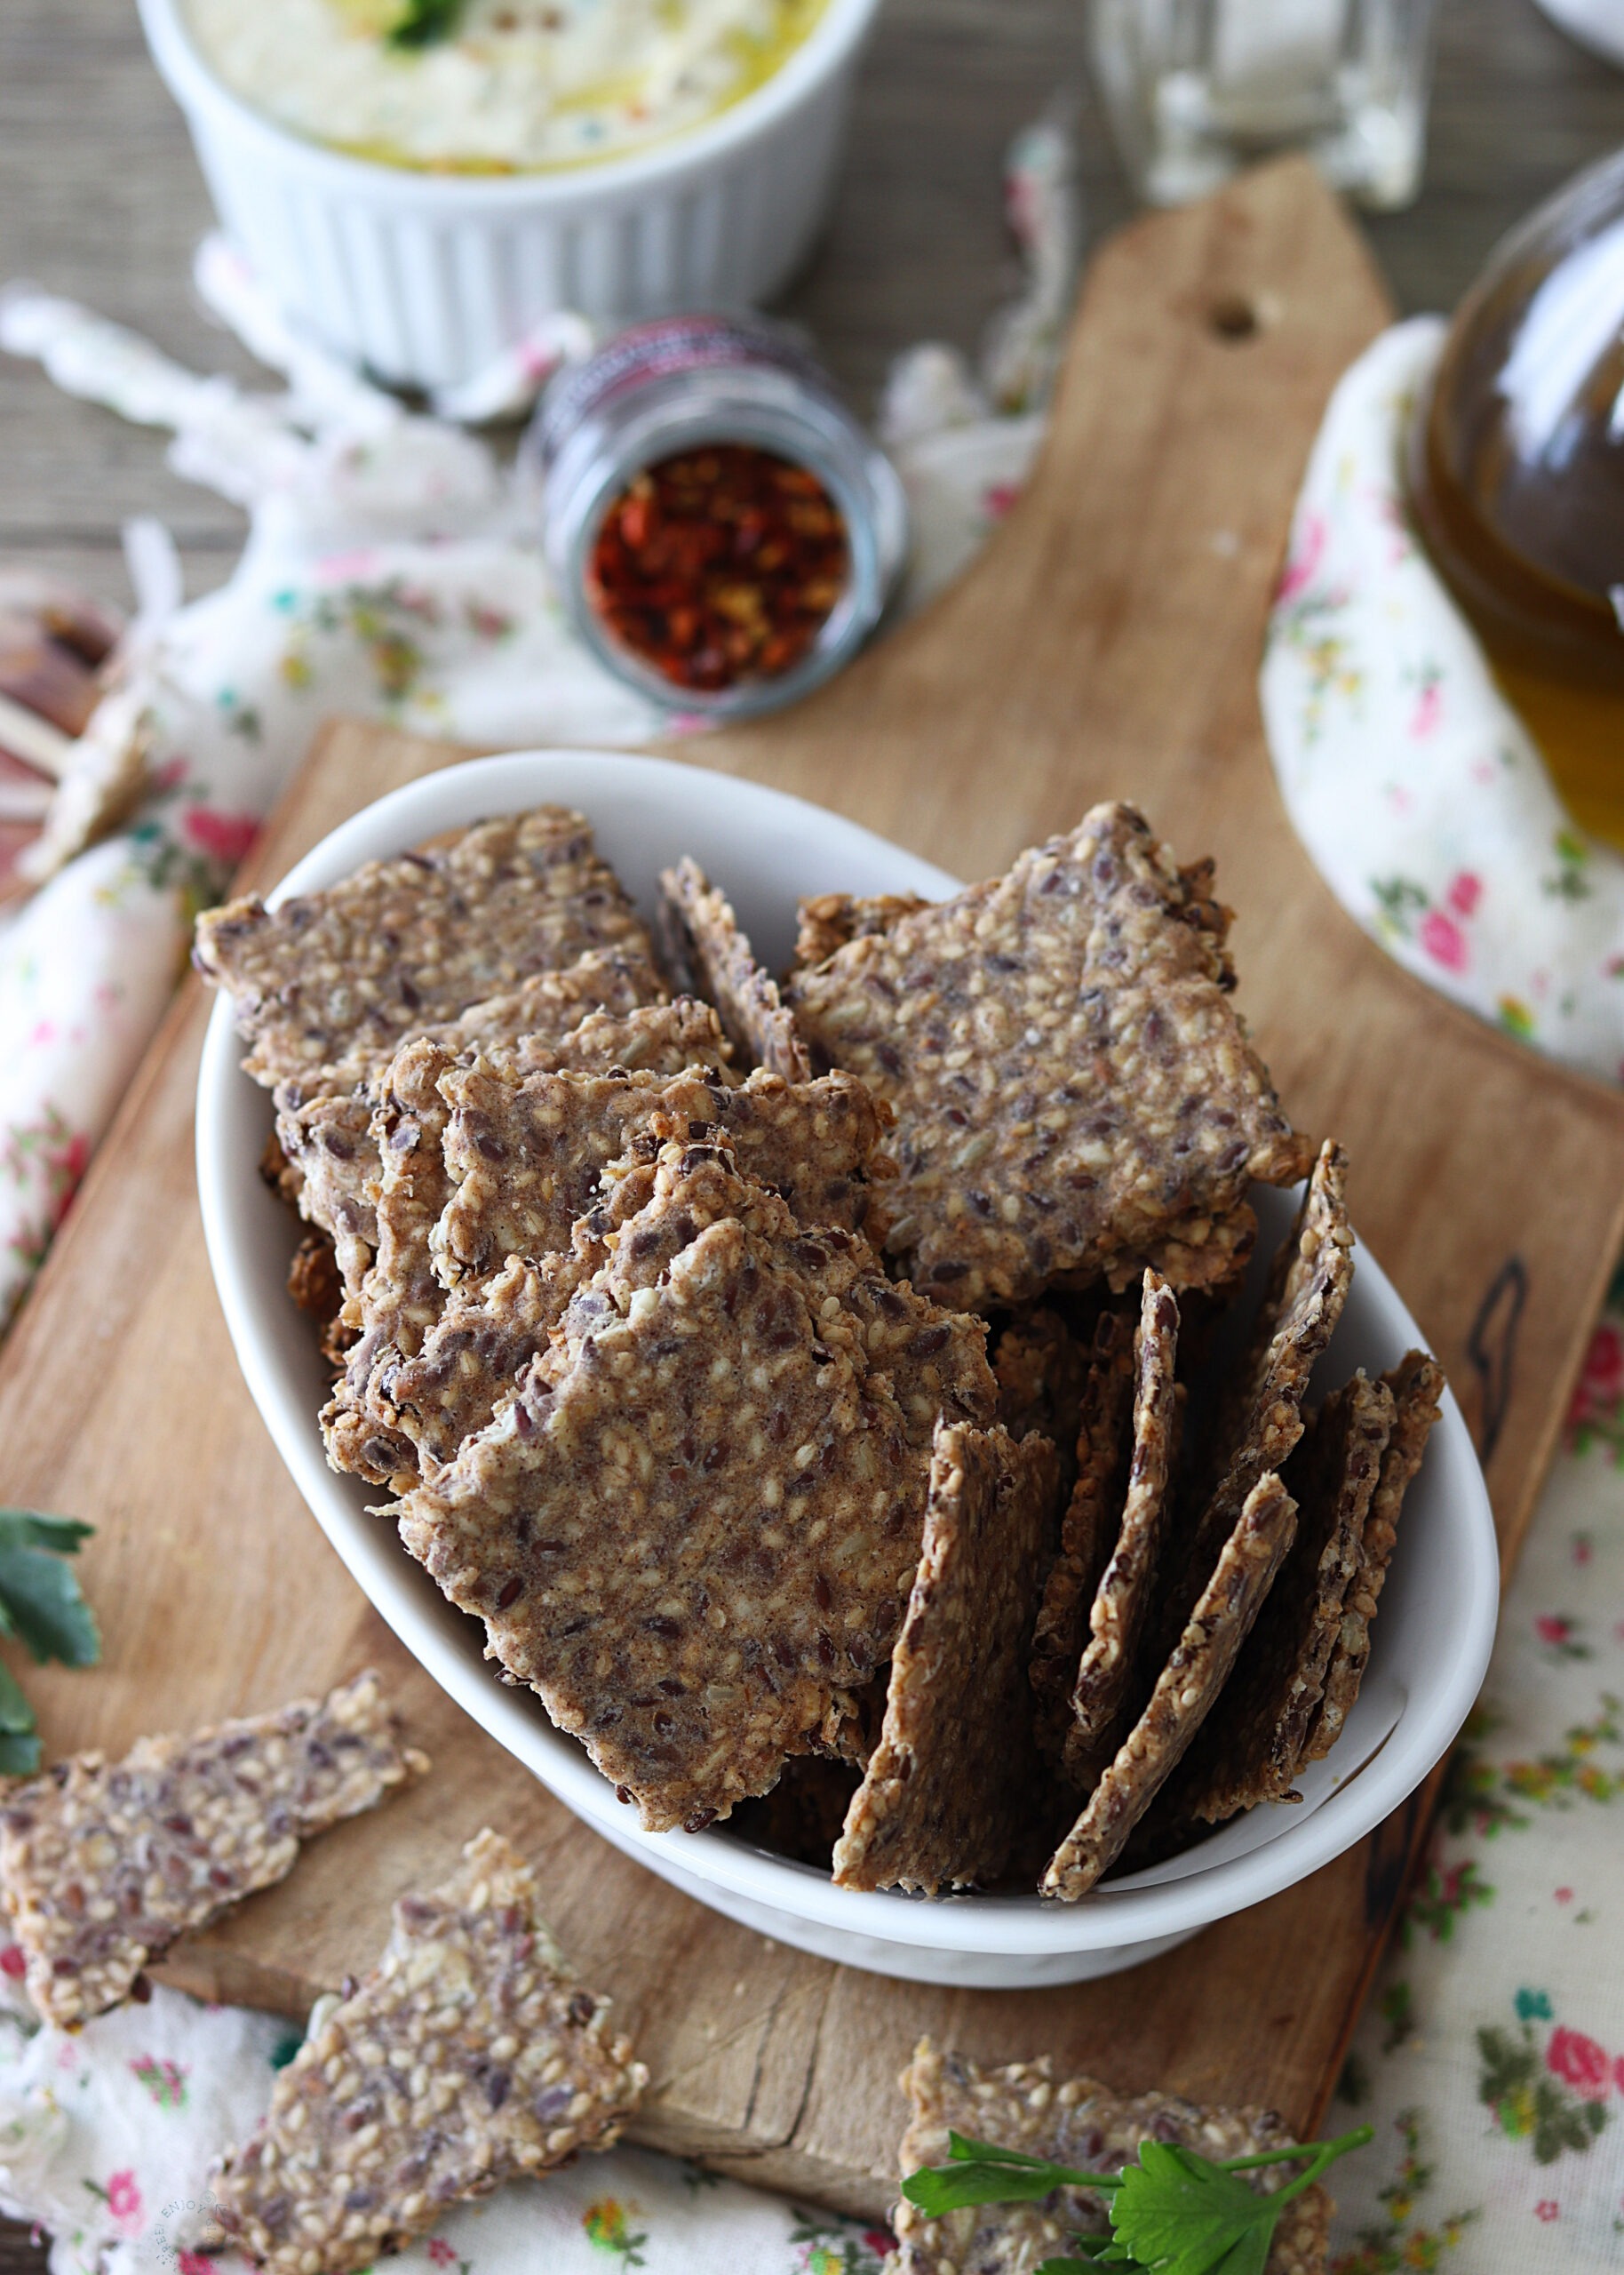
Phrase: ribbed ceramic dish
x=1436 y=1623
x=427 y=278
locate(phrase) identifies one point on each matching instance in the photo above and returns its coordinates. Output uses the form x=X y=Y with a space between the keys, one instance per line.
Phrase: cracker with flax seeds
x=696 y=1523
x=1075 y=1096
x=1417 y=1385
x=1090 y=1526
x=1252 y=1750
x=1042 y=1369
x=327 y=1140
x=103 y=1864
x=1258 y=1417
x=1184 y=1693
x=1100 y=1698
x=711 y=956
x=328 y=984
x=1079 y=2123
x=829 y=920
x=945 y=1791
x=527 y=1152
x=402 y=1297
x=468 y=2057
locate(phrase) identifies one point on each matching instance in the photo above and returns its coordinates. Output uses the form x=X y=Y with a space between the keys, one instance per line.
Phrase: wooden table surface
x=100 y=198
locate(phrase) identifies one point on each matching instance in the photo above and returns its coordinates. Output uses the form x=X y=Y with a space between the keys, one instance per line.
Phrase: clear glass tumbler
x=1197 y=88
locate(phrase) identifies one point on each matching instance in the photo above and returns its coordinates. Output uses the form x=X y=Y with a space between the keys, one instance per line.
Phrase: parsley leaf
x=424 y=23
x=1173 y=2213
x=42 y=1603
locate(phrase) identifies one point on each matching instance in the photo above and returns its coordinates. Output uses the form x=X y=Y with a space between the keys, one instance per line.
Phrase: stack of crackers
x=799 y=1377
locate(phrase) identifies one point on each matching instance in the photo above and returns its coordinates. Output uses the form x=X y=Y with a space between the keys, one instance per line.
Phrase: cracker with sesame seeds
x=1093 y=1516
x=103 y=1864
x=327 y=986
x=1253 y=1750
x=943 y=1799
x=1123 y=1599
x=695 y=1522
x=527 y=1152
x=1258 y=1416
x=1042 y=1371
x=1079 y=2123
x=828 y=921
x=1184 y=1693
x=710 y=956
x=468 y=2057
x=1417 y=1385
x=1075 y=1096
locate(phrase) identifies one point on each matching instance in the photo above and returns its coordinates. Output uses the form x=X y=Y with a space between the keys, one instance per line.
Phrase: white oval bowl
x=1431 y=1642
x=427 y=278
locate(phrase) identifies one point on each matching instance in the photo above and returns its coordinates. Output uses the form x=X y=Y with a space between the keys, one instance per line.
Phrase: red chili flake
x=719 y=565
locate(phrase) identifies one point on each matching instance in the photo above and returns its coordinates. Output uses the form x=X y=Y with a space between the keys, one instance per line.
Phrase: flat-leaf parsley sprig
x=424 y=23
x=1174 y=2213
x=41 y=1604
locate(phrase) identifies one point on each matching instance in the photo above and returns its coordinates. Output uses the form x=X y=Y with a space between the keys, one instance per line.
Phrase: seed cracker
x=467 y=2058
x=102 y=1865
x=1080 y=2123
x=1042 y=1371
x=1118 y=1615
x=1417 y=1385
x=944 y=1796
x=710 y=956
x=326 y=986
x=1075 y=1096
x=696 y=1523
x=1257 y=1418
x=1184 y=1693
x=528 y=1152
x=1090 y=1525
x=1253 y=1751
x=827 y=923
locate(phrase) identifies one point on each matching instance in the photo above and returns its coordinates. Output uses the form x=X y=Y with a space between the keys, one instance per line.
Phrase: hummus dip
x=518 y=85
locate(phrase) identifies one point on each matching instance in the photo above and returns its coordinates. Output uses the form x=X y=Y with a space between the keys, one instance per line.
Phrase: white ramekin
x=1431 y=1647
x=426 y=279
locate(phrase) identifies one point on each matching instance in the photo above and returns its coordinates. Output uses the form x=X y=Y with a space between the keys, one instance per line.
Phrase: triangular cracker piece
x=941 y=1802
x=711 y=956
x=1075 y=1096
x=1253 y=1751
x=327 y=986
x=696 y=1523
x=1184 y=1693
x=1257 y=1418
x=1084 y=2125
x=827 y=923
x=1101 y=1699
x=467 y=2058
x=102 y=1865
x=1093 y=1516
x=1417 y=1385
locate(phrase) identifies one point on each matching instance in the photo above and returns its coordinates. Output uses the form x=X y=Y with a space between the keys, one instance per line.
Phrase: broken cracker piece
x=828 y=921
x=694 y=1524
x=1042 y=1369
x=467 y=2058
x=1075 y=1096
x=328 y=984
x=1093 y=1516
x=710 y=956
x=1417 y=1385
x=941 y=1800
x=1184 y=1693
x=1254 y=1750
x=1079 y=2123
x=1120 y=1611
x=102 y=1865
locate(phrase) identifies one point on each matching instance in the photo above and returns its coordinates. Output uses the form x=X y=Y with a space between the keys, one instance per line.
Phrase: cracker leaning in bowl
x=666 y=1320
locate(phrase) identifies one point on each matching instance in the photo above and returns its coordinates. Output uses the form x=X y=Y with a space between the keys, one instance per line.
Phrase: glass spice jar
x=721 y=530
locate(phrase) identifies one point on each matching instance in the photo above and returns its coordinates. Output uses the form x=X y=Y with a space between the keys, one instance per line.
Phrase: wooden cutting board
x=1105 y=643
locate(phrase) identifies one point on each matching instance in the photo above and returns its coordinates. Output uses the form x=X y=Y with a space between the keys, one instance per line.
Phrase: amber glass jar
x=1516 y=479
